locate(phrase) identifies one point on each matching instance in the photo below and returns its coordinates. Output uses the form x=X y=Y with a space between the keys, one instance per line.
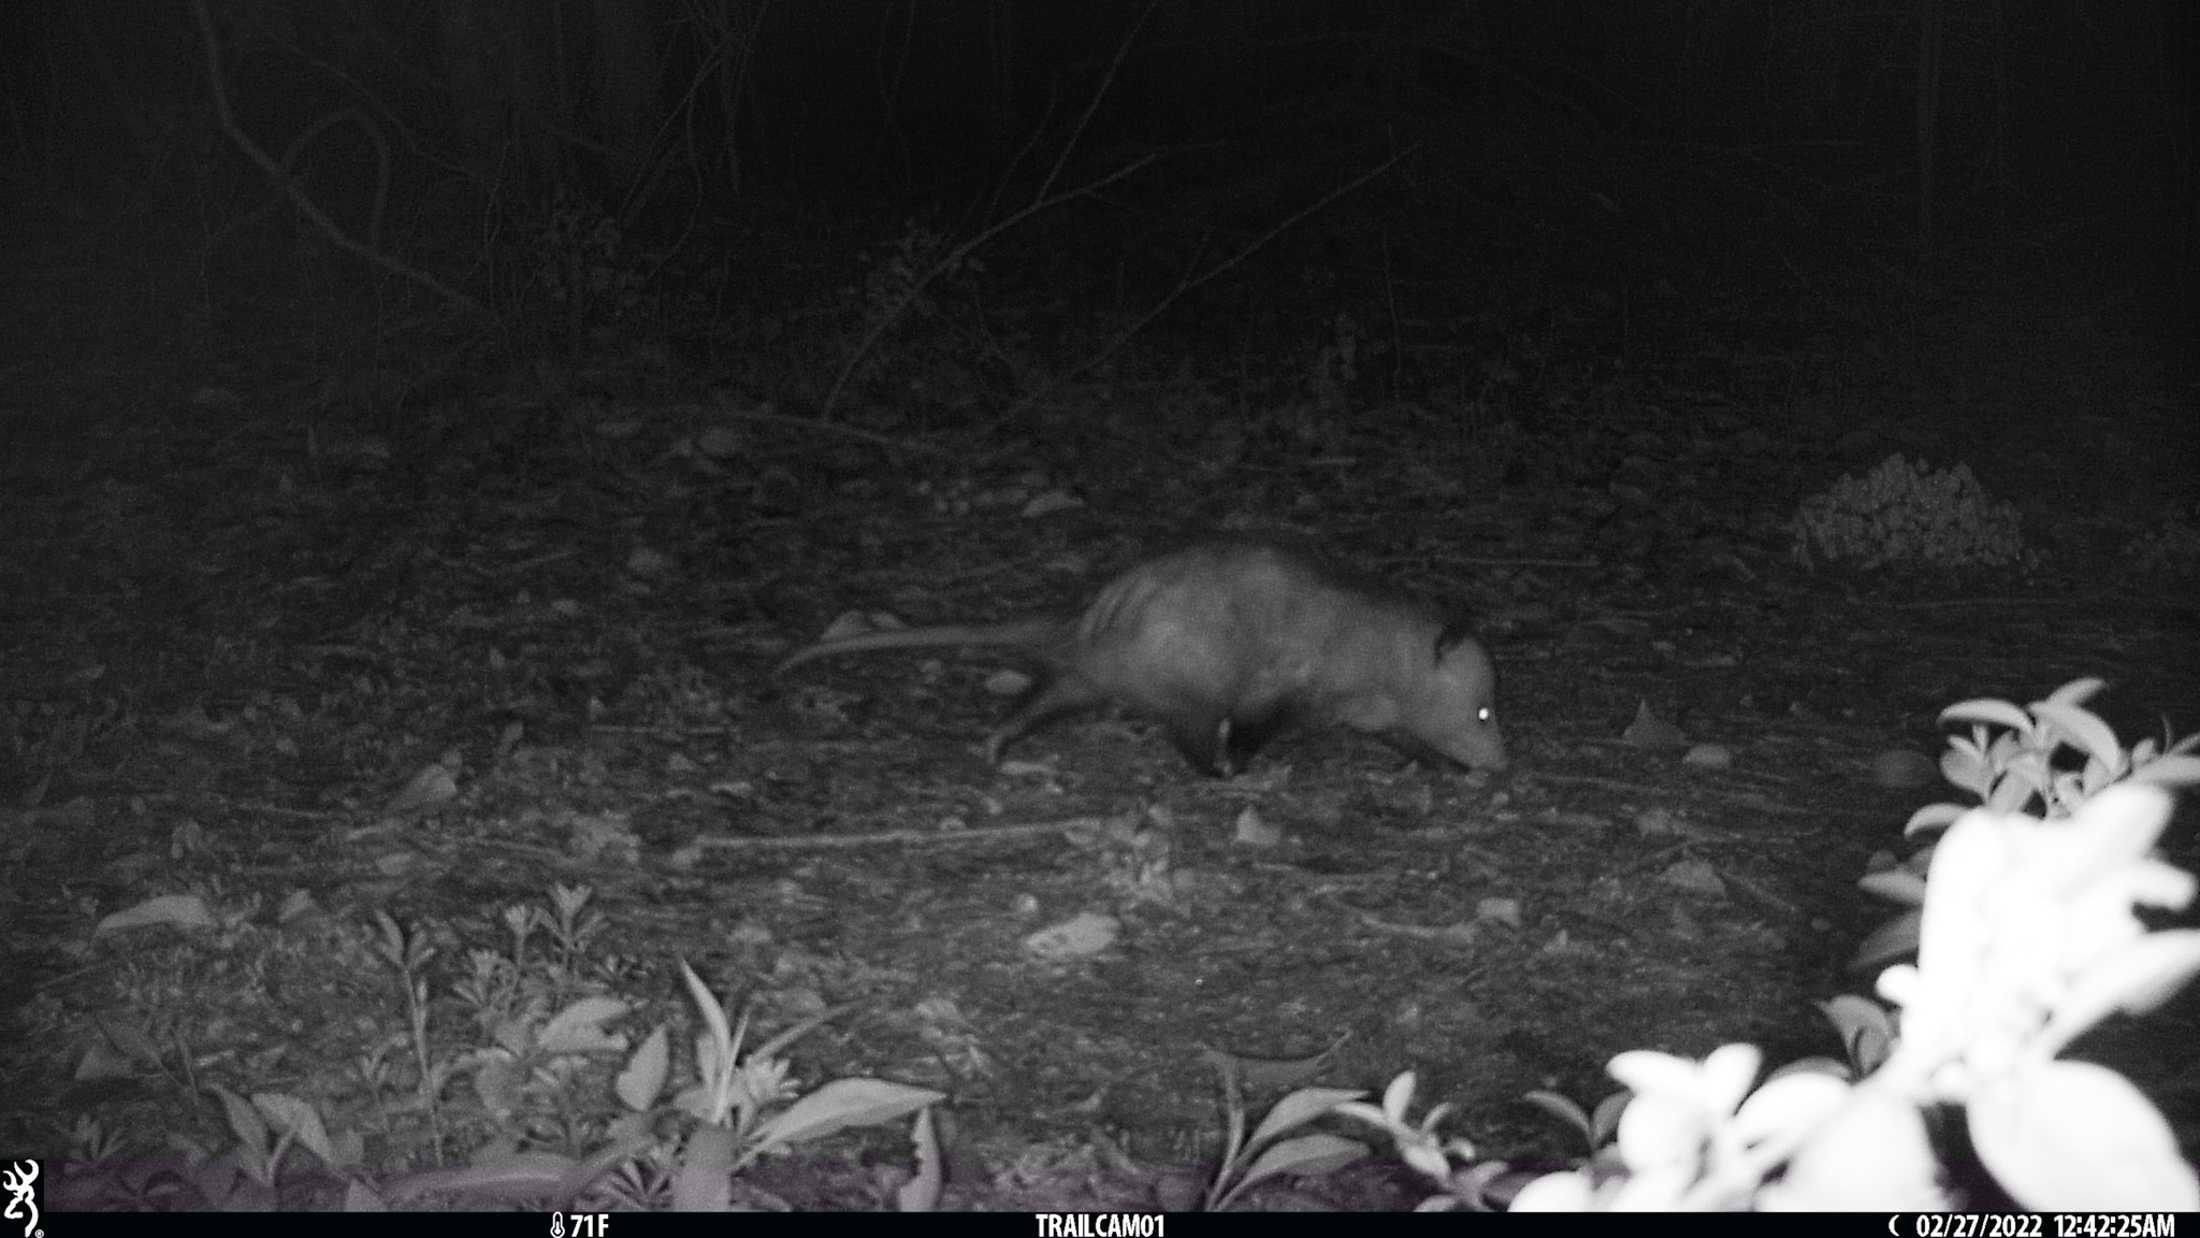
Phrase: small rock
x=1253 y=830
x=1650 y=731
x=1900 y=769
x=1080 y=936
x=1709 y=756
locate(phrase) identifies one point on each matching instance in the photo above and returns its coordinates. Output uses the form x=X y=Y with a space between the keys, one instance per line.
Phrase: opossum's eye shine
x=1485 y=715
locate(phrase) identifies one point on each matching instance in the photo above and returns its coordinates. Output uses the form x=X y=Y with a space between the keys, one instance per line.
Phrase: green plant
x=2171 y=548
x=2018 y=769
x=1904 y=513
x=1268 y=1153
x=572 y=924
x=540 y=1018
x=1335 y=367
x=734 y=1101
x=584 y=265
x=266 y=1127
x=408 y=954
x=2029 y=937
x=1449 y=1162
x=742 y=1106
x=899 y=276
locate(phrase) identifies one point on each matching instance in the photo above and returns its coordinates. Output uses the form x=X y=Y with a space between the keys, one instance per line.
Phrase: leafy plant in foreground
x=2012 y=771
x=2029 y=936
x=744 y=1106
x=1268 y=1153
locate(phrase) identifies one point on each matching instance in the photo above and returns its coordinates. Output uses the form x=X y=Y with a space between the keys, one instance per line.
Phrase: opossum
x=1226 y=642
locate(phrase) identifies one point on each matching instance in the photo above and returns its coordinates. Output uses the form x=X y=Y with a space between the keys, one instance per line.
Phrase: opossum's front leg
x=1243 y=737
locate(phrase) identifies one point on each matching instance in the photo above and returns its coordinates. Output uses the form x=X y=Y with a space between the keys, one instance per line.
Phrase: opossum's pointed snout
x=1485 y=755
x=1479 y=747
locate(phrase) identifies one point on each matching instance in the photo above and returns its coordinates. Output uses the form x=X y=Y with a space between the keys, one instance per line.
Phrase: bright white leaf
x=1653 y=1190
x=1788 y=1105
x=2085 y=730
x=1559 y=1192
x=1646 y=1071
x=1663 y=1129
x=1728 y=1074
x=1398 y=1096
x=1931 y=817
x=2125 y=821
x=2078 y=1137
x=1967 y=865
x=2134 y=978
x=1832 y=1067
x=1871 y=1155
x=1991 y=712
x=1896 y=884
x=2076 y=692
x=2170 y=771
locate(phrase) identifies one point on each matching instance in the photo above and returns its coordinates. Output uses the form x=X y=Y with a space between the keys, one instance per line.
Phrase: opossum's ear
x=1454 y=632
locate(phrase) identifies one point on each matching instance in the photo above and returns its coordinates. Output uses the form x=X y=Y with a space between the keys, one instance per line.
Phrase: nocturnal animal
x=1226 y=642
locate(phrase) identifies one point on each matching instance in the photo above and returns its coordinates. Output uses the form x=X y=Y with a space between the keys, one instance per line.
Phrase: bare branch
x=296 y=193
x=1190 y=282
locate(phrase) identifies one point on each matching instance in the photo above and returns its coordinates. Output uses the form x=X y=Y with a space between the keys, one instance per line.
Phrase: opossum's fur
x=1225 y=642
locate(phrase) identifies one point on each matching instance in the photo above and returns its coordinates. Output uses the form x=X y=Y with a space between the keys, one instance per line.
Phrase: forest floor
x=325 y=670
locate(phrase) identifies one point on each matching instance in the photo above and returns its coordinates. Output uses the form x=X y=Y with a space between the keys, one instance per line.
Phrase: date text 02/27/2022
x=2034 y=1225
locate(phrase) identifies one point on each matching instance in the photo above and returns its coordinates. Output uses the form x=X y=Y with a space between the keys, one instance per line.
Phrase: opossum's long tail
x=1034 y=634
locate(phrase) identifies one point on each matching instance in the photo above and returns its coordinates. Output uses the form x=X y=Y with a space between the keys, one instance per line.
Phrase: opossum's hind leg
x=1047 y=700
x=1242 y=737
x=1204 y=739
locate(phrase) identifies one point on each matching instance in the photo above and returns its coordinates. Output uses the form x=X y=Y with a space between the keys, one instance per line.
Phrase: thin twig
x=829 y=427
x=381 y=159
x=954 y=259
x=1099 y=92
x=297 y=195
x=993 y=833
x=1188 y=283
x=1042 y=199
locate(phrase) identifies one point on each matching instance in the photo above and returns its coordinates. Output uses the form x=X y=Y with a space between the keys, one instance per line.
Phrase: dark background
x=1598 y=136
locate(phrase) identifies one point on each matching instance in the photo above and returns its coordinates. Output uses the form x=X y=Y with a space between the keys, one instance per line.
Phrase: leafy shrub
x=2172 y=548
x=2021 y=769
x=742 y=1106
x=1909 y=514
x=2029 y=937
